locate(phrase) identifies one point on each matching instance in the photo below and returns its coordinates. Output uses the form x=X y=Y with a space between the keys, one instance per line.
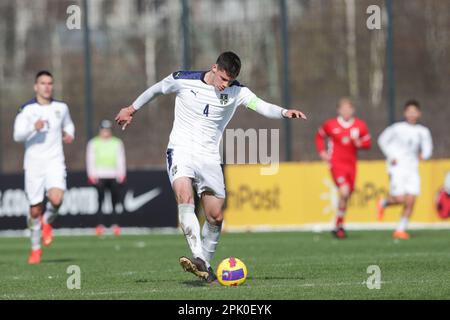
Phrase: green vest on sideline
x=106 y=151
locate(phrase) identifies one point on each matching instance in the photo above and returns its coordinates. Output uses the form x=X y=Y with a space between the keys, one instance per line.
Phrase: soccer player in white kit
x=43 y=124
x=205 y=102
x=404 y=144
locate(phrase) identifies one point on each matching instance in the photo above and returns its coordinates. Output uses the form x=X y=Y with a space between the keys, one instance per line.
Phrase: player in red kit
x=345 y=134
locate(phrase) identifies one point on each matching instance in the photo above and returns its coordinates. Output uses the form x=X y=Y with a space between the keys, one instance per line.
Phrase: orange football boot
x=401 y=235
x=35 y=256
x=100 y=230
x=116 y=229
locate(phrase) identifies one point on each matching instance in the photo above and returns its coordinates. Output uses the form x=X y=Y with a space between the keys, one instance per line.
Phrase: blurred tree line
x=138 y=42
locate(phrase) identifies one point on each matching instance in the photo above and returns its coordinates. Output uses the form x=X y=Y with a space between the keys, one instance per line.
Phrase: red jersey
x=341 y=137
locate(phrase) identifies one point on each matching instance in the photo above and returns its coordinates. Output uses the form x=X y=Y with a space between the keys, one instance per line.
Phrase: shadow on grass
x=154 y=280
x=62 y=260
x=196 y=283
x=275 y=278
x=190 y=283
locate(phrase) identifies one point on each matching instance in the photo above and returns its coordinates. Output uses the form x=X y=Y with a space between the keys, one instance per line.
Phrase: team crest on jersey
x=58 y=114
x=223 y=98
x=354 y=133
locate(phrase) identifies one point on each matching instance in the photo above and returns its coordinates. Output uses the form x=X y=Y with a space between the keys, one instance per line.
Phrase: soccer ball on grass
x=231 y=272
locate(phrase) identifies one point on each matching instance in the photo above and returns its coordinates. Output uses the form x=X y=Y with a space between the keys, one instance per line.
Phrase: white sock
x=50 y=213
x=191 y=228
x=35 y=227
x=403 y=224
x=211 y=234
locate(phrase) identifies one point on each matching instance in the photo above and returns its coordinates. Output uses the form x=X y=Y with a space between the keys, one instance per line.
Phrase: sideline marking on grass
x=317 y=228
x=82 y=293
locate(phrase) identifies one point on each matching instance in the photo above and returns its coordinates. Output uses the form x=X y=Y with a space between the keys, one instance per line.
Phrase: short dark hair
x=230 y=63
x=42 y=73
x=411 y=102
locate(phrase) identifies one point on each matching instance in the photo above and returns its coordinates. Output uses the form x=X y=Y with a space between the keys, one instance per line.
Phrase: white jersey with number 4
x=201 y=111
x=44 y=146
x=201 y=114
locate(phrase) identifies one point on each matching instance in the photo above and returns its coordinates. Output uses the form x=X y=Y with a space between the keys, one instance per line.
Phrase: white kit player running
x=205 y=103
x=43 y=124
x=404 y=144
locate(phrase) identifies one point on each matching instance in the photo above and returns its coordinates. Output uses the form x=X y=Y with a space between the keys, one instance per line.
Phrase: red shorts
x=344 y=176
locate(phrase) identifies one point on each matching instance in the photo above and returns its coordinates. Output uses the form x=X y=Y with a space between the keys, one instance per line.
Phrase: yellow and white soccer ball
x=231 y=272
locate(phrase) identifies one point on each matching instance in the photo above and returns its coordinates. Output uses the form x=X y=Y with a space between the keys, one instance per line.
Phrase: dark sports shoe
x=211 y=276
x=196 y=266
x=339 y=233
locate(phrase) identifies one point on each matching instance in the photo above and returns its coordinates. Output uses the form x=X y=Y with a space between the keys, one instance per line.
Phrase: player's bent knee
x=344 y=192
x=215 y=218
x=56 y=201
x=56 y=196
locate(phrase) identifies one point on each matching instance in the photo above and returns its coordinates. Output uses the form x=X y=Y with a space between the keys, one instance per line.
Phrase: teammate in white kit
x=205 y=102
x=404 y=144
x=43 y=124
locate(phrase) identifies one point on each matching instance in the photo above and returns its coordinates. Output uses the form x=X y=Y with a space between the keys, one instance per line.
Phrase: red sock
x=339 y=221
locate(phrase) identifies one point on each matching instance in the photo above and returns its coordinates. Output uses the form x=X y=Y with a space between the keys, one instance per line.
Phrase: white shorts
x=40 y=180
x=403 y=182
x=206 y=174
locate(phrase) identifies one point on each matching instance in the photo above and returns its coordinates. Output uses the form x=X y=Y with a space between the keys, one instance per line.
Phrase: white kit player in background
x=43 y=124
x=205 y=102
x=404 y=144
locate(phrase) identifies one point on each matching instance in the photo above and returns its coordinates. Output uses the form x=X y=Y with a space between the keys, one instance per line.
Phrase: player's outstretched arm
x=247 y=98
x=272 y=111
x=292 y=114
x=125 y=116
x=166 y=86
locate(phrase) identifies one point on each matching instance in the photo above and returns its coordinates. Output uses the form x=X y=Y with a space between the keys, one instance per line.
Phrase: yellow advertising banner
x=304 y=193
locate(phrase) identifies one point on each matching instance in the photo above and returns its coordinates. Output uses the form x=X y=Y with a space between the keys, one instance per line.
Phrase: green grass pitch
x=292 y=265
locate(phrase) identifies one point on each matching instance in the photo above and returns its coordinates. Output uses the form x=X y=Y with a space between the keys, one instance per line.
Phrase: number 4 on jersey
x=206 y=110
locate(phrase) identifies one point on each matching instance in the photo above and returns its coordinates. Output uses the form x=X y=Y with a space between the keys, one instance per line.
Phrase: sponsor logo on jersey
x=58 y=114
x=354 y=133
x=223 y=98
